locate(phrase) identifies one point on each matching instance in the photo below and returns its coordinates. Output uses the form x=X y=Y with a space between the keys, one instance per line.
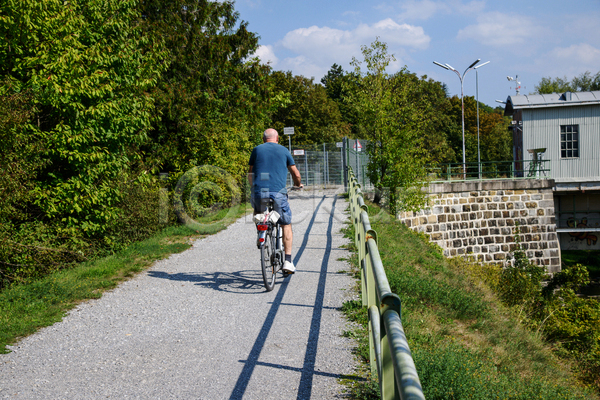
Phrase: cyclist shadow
x=243 y=282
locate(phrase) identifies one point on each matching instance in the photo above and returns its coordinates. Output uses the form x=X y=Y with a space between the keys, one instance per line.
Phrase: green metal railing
x=524 y=169
x=390 y=355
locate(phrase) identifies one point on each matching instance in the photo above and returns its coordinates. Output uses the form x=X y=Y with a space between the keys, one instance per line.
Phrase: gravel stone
x=200 y=325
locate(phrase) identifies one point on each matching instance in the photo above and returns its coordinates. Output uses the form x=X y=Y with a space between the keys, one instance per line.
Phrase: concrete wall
x=478 y=219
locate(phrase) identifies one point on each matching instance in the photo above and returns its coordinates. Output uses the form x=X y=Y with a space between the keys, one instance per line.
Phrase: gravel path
x=199 y=325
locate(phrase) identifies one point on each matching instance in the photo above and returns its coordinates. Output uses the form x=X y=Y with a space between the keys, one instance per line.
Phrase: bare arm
x=295 y=175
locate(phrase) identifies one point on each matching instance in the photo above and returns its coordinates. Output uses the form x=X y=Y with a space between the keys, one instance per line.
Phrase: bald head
x=270 y=135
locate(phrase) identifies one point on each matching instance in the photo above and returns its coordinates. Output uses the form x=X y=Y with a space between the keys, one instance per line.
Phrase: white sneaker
x=288 y=267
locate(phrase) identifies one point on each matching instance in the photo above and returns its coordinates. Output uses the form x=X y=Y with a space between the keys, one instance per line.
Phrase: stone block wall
x=478 y=220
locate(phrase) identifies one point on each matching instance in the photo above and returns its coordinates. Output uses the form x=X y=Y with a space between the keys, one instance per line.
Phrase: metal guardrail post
x=406 y=375
x=389 y=353
x=375 y=342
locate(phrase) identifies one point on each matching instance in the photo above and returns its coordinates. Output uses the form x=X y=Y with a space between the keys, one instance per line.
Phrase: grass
x=26 y=308
x=464 y=342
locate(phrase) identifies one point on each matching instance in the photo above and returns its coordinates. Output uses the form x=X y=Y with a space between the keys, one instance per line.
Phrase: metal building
x=565 y=129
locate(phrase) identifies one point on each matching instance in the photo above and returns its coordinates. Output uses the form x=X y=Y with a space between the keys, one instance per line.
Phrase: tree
x=333 y=82
x=87 y=67
x=213 y=101
x=393 y=127
x=74 y=78
x=315 y=117
x=430 y=100
x=337 y=83
x=584 y=82
x=556 y=85
x=494 y=137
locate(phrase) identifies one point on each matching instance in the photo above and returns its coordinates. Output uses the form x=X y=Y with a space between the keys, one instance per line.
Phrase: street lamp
x=462 y=102
x=477 y=93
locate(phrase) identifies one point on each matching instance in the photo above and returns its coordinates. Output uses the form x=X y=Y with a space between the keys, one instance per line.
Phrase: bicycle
x=270 y=243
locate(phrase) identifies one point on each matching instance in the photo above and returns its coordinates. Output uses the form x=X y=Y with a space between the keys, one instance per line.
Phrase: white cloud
x=570 y=61
x=266 y=55
x=578 y=54
x=325 y=42
x=307 y=67
x=499 y=29
x=317 y=48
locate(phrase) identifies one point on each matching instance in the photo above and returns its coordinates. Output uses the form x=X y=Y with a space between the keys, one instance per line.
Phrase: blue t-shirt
x=270 y=162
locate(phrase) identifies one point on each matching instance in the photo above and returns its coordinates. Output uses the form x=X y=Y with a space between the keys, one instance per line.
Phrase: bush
x=570 y=322
x=31 y=249
x=520 y=283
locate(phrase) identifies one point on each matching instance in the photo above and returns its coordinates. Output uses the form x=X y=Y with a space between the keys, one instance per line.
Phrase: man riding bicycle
x=268 y=166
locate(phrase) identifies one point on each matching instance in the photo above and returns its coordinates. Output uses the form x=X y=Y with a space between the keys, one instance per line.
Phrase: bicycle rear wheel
x=266 y=260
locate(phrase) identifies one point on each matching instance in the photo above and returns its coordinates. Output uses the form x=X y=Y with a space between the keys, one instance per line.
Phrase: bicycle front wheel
x=266 y=260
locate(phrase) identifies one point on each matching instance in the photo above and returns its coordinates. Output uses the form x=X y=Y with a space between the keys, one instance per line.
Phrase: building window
x=569 y=141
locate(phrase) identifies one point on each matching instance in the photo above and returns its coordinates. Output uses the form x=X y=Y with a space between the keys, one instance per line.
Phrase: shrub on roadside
x=570 y=322
x=521 y=282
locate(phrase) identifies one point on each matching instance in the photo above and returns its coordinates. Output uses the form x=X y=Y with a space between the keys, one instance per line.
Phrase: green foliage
x=74 y=77
x=315 y=116
x=589 y=258
x=581 y=83
x=586 y=82
x=571 y=278
x=87 y=66
x=556 y=85
x=392 y=124
x=435 y=122
x=495 y=140
x=573 y=322
x=213 y=101
x=338 y=86
x=521 y=282
x=96 y=96
x=570 y=322
x=201 y=186
x=19 y=155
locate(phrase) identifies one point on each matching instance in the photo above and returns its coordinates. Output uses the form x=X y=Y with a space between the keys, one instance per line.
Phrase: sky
x=530 y=39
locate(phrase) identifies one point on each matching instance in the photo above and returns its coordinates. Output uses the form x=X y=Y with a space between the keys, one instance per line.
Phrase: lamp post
x=477 y=94
x=462 y=103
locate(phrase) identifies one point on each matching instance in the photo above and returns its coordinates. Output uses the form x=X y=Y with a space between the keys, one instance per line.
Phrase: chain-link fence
x=323 y=164
x=358 y=159
x=320 y=164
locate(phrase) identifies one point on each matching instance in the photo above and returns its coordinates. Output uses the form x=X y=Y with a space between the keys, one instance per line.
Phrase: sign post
x=289 y=131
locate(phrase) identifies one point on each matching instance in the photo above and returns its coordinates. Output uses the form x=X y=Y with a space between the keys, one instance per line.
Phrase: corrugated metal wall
x=541 y=128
